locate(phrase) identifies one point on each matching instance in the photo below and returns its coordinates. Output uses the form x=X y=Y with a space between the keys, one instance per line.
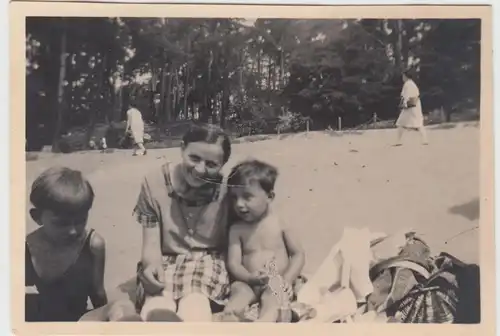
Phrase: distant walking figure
x=411 y=116
x=136 y=126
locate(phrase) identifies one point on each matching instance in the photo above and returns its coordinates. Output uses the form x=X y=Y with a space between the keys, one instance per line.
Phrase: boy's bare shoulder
x=97 y=243
x=34 y=237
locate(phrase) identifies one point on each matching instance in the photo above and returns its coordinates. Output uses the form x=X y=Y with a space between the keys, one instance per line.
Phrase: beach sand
x=327 y=181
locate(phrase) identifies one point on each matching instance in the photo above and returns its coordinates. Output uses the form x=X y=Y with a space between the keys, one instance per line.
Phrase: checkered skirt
x=197 y=272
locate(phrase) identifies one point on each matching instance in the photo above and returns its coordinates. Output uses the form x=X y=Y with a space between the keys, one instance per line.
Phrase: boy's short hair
x=254 y=171
x=62 y=189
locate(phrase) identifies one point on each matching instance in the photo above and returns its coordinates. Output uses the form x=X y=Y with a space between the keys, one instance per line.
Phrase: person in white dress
x=411 y=116
x=136 y=126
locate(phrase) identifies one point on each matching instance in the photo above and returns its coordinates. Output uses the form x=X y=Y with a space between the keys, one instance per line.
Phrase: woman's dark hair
x=211 y=134
x=408 y=73
x=133 y=102
x=62 y=189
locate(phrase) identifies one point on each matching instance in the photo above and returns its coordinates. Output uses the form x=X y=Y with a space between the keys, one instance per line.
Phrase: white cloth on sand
x=410 y=117
x=343 y=278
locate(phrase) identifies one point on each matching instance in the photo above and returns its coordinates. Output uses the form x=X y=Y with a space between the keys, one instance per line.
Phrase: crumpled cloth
x=343 y=279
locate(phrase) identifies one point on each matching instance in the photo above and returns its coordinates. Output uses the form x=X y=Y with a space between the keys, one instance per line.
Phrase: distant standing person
x=136 y=126
x=411 y=116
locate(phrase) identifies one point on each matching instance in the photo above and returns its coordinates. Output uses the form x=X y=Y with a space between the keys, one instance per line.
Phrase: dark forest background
x=251 y=77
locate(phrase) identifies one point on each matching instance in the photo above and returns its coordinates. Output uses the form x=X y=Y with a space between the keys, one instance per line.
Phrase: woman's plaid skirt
x=198 y=272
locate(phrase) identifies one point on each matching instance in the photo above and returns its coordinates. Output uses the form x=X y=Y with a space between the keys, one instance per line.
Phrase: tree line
x=235 y=72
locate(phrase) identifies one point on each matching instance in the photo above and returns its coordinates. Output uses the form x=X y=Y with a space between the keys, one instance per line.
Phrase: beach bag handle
x=397 y=262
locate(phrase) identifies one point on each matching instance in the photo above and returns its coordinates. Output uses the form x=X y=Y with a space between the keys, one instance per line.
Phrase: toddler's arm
x=98 y=249
x=234 y=255
x=295 y=253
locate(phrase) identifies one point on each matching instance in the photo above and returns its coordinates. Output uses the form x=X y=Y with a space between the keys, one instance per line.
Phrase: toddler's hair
x=62 y=189
x=211 y=134
x=254 y=171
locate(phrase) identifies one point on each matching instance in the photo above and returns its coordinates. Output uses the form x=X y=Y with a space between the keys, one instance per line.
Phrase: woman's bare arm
x=151 y=245
x=98 y=249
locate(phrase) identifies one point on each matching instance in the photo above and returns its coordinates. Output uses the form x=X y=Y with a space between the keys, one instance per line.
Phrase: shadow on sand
x=129 y=288
x=342 y=133
x=442 y=127
x=469 y=210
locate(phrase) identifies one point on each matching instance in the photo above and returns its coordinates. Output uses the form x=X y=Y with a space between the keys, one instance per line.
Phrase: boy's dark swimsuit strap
x=29 y=262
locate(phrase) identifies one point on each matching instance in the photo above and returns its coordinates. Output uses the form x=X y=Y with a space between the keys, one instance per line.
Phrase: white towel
x=355 y=250
x=343 y=279
x=334 y=306
x=346 y=266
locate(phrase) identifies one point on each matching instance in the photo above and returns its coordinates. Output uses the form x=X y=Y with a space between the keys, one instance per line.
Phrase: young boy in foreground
x=257 y=238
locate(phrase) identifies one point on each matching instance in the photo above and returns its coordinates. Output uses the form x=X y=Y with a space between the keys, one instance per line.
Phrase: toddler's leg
x=423 y=134
x=269 y=307
x=241 y=296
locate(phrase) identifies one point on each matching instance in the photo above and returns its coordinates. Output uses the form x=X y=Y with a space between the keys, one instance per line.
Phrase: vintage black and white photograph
x=233 y=169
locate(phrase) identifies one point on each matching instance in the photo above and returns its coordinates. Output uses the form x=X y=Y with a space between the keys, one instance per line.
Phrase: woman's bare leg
x=401 y=131
x=195 y=307
x=156 y=306
x=141 y=148
x=423 y=134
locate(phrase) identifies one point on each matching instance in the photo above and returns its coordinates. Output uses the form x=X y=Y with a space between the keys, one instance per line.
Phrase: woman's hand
x=152 y=278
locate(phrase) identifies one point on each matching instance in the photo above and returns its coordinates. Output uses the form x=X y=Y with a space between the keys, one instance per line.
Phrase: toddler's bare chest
x=265 y=239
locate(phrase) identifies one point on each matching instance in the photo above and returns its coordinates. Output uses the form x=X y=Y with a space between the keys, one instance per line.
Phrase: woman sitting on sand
x=411 y=116
x=183 y=210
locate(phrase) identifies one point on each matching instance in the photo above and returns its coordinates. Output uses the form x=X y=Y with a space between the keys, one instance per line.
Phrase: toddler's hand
x=259 y=278
x=288 y=289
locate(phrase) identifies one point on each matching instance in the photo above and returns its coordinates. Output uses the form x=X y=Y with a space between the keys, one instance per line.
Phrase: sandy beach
x=327 y=181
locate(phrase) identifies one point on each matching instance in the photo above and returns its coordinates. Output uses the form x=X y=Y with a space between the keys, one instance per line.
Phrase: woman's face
x=201 y=161
x=405 y=78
